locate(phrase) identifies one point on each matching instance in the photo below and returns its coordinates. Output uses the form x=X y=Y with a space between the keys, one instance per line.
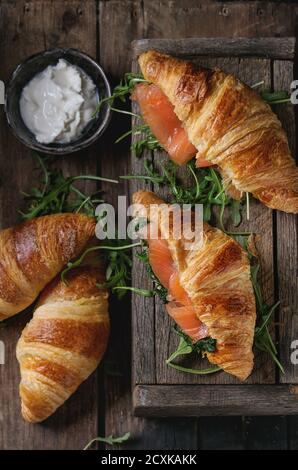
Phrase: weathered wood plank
x=143 y=324
x=114 y=56
x=260 y=223
x=221 y=433
x=276 y=48
x=287 y=241
x=26 y=28
x=265 y=433
x=127 y=21
x=193 y=18
x=211 y=400
x=292 y=427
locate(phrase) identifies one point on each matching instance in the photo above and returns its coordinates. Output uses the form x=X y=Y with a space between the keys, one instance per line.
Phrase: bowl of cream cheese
x=52 y=101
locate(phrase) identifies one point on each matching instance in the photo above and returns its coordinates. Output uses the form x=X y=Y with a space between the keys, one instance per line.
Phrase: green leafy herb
x=276 y=97
x=207 y=344
x=110 y=440
x=122 y=90
x=159 y=289
x=256 y=85
x=206 y=188
x=265 y=313
x=186 y=346
x=236 y=207
x=147 y=142
x=273 y=97
x=183 y=349
x=58 y=193
x=118 y=267
x=143 y=292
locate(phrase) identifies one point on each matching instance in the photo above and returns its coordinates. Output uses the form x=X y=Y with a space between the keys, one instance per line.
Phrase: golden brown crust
x=32 y=253
x=71 y=335
x=216 y=277
x=63 y=343
x=231 y=126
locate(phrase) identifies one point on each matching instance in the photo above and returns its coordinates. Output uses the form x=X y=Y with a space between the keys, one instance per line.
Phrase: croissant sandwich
x=209 y=287
x=63 y=343
x=213 y=115
x=34 y=252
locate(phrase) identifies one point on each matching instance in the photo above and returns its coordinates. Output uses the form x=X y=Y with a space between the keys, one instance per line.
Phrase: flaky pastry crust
x=216 y=277
x=63 y=343
x=34 y=252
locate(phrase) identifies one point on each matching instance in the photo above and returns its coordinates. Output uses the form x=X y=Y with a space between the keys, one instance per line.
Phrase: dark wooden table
x=105 y=30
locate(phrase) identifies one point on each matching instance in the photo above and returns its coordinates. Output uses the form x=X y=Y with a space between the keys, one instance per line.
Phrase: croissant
x=230 y=126
x=63 y=343
x=210 y=290
x=34 y=252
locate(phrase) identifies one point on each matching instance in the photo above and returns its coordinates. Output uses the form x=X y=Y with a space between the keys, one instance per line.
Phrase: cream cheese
x=58 y=103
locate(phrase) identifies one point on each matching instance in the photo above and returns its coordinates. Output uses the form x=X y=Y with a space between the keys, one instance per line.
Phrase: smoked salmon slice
x=158 y=113
x=186 y=319
x=180 y=307
x=177 y=291
x=161 y=261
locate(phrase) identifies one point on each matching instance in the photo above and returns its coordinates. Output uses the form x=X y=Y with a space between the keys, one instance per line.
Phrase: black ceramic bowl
x=32 y=66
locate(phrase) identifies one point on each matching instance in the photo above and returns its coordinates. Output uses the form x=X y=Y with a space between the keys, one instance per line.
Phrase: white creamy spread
x=57 y=104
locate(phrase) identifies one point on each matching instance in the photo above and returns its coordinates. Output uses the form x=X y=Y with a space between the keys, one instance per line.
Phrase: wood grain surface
x=275 y=48
x=105 y=29
x=286 y=229
x=214 y=400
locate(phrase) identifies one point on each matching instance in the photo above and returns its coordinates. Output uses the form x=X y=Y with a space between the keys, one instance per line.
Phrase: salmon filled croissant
x=213 y=115
x=209 y=287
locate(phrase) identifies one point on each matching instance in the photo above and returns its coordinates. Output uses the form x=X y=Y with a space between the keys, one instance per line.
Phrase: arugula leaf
x=143 y=292
x=206 y=188
x=58 y=193
x=110 y=440
x=206 y=344
x=118 y=264
x=147 y=142
x=122 y=90
x=265 y=313
x=183 y=349
x=275 y=97
x=236 y=215
x=186 y=346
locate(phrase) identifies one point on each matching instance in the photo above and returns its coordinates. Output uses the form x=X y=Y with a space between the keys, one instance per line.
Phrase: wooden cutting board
x=159 y=390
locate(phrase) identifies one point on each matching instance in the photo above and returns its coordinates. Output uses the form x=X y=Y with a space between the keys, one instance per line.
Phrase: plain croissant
x=216 y=279
x=34 y=252
x=230 y=126
x=63 y=343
